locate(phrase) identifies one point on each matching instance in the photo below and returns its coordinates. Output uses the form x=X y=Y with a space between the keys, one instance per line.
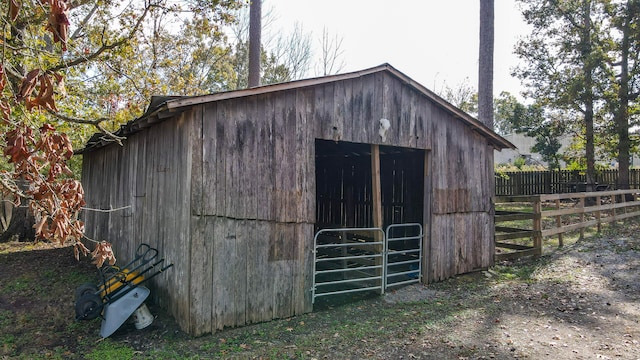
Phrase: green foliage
x=580 y=65
x=545 y=127
x=519 y=162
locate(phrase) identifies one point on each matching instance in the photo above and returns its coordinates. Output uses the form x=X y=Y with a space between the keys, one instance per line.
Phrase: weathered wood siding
x=252 y=212
x=226 y=191
x=149 y=175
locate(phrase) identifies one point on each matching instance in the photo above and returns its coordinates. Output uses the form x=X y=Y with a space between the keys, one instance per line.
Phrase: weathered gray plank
x=222 y=126
x=259 y=275
x=224 y=257
x=304 y=163
x=265 y=159
x=393 y=101
x=239 y=271
x=210 y=162
x=200 y=276
x=282 y=183
x=377 y=109
x=233 y=179
x=180 y=236
x=284 y=269
x=357 y=122
x=341 y=111
x=367 y=130
x=304 y=235
x=250 y=158
x=327 y=131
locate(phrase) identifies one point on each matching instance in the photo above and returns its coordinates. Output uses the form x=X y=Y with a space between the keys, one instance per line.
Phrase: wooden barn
x=262 y=196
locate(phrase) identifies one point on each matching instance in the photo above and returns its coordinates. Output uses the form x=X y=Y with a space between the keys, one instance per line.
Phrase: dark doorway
x=344 y=185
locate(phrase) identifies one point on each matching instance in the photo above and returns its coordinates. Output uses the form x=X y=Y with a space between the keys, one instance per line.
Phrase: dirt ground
x=582 y=302
x=578 y=302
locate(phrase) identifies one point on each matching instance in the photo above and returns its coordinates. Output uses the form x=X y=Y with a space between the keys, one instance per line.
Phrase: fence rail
x=523 y=227
x=558 y=181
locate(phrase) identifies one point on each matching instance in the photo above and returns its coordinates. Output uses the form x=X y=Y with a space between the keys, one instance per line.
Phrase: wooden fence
x=558 y=181
x=526 y=220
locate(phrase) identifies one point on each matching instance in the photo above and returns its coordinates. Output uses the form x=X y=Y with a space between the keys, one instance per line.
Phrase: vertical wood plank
x=559 y=221
x=250 y=158
x=239 y=271
x=537 y=226
x=259 y=275
x=233 y=207
x=341 y=91
x=222 y=127
x=358 y=123
x=393 y=102
x=283 y=271
x=210 y=162
x=223 y=276
x=200 y=277
x=196 y=140
x=367 y=133
x=305 y=237
x=304 y=161
x=265 y=158
x=281 y=185
x=180 y=236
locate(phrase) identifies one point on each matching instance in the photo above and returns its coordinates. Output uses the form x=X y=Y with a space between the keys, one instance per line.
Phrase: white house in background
x=523 y=145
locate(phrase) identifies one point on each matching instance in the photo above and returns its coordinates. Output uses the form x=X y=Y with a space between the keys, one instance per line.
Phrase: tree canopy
x=73 y=68
x=581 y=66
x=86 y=66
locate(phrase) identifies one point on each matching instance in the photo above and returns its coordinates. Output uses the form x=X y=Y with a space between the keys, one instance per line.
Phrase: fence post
x=559 y=224
x=537 y=225
x=582 y=217
x=598 y=213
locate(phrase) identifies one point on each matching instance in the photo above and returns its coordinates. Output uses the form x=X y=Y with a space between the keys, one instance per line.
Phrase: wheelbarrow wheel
x=87 y=288
x=88 y=306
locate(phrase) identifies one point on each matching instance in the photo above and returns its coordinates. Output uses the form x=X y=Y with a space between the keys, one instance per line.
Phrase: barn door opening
x=344 y=186
x=363 y=186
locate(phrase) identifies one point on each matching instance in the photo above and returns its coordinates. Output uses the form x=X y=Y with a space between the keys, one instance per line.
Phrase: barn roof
x=162 y=107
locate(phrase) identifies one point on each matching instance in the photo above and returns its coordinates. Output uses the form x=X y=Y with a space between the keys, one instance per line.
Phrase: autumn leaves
x=39 y=155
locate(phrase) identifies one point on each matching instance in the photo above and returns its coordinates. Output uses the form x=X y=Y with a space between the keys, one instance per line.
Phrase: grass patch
x=110 y=350
x=18 y=285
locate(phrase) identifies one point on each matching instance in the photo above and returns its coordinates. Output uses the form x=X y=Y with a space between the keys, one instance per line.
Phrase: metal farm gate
x=348 y=260
x=403 y=254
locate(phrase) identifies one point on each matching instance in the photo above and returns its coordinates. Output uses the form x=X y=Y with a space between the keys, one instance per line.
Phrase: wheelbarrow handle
x=122 y=292
x=146 y=252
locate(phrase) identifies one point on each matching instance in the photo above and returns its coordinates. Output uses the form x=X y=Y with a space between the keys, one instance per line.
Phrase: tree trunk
x=485 y=63
x=255 y=29
x=588 y=97
x=622 y=113
x=20 y=226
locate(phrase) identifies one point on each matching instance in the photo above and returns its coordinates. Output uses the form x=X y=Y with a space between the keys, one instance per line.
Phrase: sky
x=435 y=42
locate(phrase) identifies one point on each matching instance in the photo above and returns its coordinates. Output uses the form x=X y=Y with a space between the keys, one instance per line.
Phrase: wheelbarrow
x=120 y=293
